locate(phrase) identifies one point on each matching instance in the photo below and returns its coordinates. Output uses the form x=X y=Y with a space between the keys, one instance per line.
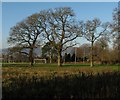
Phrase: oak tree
x=60 y=29
x=25 y=35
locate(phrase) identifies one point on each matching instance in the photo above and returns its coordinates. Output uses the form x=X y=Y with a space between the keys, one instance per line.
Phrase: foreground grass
x=47 y=71
x=59 y=83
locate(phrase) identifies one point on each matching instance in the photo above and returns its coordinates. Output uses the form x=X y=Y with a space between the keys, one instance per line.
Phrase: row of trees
x=59 y=28
x=102 y=53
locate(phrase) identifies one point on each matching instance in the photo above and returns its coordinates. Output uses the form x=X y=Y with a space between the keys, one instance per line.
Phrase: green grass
x=52 y=65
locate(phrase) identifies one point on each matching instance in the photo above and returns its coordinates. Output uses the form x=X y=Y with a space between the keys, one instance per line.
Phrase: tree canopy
x=25 y=34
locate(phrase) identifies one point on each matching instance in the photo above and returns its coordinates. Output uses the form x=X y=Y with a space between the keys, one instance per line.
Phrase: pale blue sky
x=60 y=0
x=13 y=13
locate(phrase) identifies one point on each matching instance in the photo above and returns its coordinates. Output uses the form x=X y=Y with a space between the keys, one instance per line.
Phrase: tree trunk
x=50 y=57
x=92 y=63
x=59 y=59
x=31 y=56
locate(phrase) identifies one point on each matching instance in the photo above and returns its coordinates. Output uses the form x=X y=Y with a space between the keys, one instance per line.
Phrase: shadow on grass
x=78 y=86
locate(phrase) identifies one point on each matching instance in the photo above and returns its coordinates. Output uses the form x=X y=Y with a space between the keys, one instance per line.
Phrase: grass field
x=54 y=65
x=48 y=69
x=69 y=81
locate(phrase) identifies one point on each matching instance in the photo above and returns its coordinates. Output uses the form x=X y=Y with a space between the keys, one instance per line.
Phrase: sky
x=60 y=0
x=14 y=12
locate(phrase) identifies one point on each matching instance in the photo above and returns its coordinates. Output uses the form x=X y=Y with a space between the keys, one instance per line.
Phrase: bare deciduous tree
x=60 y=29
x=101 y=49
x=92 y=30
x=25 y=34
x=115 y=30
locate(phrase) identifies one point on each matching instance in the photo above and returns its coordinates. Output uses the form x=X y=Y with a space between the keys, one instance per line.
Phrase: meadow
x=47 y=81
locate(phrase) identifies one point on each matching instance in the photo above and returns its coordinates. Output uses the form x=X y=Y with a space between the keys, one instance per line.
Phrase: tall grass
x=68 y=86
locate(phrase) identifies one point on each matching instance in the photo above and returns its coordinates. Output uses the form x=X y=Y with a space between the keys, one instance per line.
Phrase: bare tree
x=92 y=30
x=115 y=30
x=25 y=34
x=101 y=49
x=60 y=29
